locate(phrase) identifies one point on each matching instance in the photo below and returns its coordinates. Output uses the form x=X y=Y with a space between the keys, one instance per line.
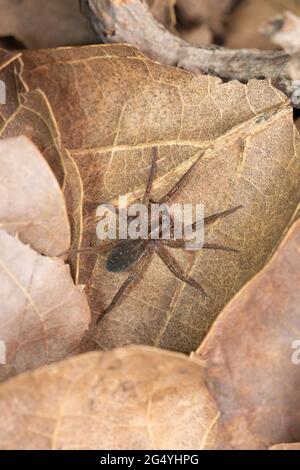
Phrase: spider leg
x=135 y=272
x=207 y=246
x=212 y=246
x=153 y=169
x=207 y=221
x=220 y=215
x=93 y=250
x=212 y=218
x=175 y=188
x=174 y=267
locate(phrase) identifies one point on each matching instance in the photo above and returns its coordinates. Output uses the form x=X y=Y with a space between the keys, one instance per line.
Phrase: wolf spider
x=133 y=255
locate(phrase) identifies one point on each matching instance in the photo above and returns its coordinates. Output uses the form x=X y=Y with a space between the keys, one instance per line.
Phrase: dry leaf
x=31 y=202
x=249 y=16
x=43 y=315
x=251 y=357
x=112 y=105
x=135 y=398
x=44 y=23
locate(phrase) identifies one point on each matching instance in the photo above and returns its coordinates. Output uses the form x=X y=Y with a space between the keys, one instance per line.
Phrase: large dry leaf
x=31 y=202
x=44 y=23
x=251 y=360
x=43 y=316
x=135 y=398
x=112 y=105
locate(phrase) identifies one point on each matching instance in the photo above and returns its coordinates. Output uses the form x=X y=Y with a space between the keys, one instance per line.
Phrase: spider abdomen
x=125 y=256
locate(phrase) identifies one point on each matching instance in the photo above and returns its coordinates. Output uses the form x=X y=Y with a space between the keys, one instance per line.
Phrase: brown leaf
x=43 y=315
x=112 y=105
x=251 y=357
x=31 y=202
x=44 y=23
x=249 y=16
x=135 y=398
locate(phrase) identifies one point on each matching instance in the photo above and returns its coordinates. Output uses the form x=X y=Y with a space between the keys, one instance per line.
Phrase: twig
x=130 y=21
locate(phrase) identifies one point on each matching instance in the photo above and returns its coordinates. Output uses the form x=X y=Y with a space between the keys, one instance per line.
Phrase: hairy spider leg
x=93 y=250
x=207 y=221
x=138 y=269
x=173 y=190
x=179 y=183
x=153 y=169
x=174 y=267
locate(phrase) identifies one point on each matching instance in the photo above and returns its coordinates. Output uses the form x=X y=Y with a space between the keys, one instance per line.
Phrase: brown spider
x=133 y=255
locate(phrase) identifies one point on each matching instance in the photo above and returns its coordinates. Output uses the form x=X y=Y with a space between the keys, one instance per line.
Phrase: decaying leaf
x=252 y=357
x=250 y=16
x=43 y=315
x=112 y=105
x=135 y=398
x=44 y=23
x=31 y=202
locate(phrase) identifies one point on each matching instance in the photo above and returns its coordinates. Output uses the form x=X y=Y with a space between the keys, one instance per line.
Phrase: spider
x=133 y=255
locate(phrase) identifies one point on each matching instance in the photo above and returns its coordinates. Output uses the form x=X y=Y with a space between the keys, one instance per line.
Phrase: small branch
x=130 y=21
